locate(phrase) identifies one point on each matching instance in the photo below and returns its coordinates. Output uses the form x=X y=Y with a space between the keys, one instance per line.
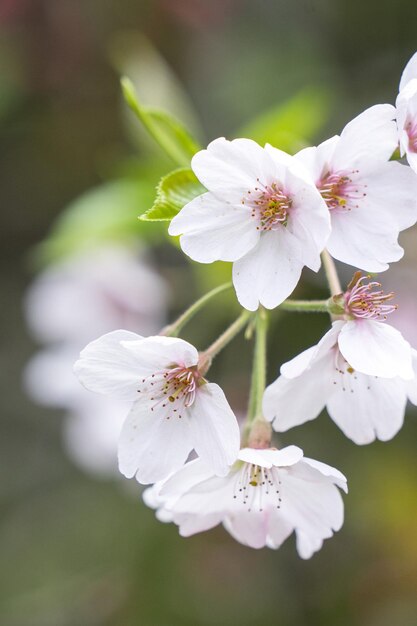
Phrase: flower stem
x=305 y=306
x=331 y=273
x=257 y=432
x=173 y=330
x=230 y=333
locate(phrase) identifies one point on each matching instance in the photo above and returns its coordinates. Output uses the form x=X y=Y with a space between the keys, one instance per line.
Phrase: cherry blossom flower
x=370 y=199
x=362 y=370
x=407 y=112
x=266 y=495
x=175 y=409
x=66 y=306
x=261 y=212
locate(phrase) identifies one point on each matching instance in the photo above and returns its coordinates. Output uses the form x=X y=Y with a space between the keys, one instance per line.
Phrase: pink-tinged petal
x=368 y=138
x=105 y=366
x=230 y=168
x=271 y=457
x=269 y=273
x=291 y=402
x=411 y=386
x=376 y=349
x=410 y=71
x=213 y=230
x=158 y=353
x=151 y=446
x=214 y=429
x=368 y=408
x=351 y=243
x=249 y=528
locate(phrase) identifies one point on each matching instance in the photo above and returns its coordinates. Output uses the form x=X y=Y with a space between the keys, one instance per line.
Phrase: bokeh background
x=79 y=548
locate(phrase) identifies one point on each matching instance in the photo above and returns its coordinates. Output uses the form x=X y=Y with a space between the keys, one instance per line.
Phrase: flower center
x=175 y=387
x=270 y=206
x=363 y=302
x=339 y=191
x=256 y=486
x=411 y=129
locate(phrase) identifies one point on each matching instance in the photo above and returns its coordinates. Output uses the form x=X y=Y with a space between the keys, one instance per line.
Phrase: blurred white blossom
x=66 y=306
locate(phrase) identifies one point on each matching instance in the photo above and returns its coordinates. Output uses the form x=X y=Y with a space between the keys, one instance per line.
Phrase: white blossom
x=407 y=112
x=370 y=199
x=266 y=496
x=362 y=370
x=175 y=410
x=261 y=212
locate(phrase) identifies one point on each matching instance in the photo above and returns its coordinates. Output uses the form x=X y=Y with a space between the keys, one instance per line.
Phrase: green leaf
x=105 y=214
x=172 y=193
x=168 y=132
x=292 y=125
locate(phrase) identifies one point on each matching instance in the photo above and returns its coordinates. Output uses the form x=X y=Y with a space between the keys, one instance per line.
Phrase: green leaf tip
x=173 y=192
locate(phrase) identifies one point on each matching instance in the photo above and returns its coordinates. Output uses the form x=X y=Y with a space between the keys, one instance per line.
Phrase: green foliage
x=173 y=192
x=168 y=132
x=105 y=214
x=292 y=125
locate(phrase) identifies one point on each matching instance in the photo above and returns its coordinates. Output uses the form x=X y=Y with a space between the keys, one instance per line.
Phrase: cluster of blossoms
x=271 y=214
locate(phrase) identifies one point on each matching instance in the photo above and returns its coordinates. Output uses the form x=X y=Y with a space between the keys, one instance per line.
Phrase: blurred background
x=79 y=548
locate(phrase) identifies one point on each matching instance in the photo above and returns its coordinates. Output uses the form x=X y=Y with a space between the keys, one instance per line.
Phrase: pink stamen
x=363 y=303
x=339 y=191
x=270 y=206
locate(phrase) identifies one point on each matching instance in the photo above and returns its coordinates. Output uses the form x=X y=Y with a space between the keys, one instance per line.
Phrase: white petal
x=154 y=354
x=314 y=507
x=249 y=528
x=334 y=474
x=317 y=159
x=214 y=429
x=105 y=366
x=411 y=386
x=186 y=477
x=213 y=230
x=268 y=273
x=410 y=71
x=229 y=169
x=297 y=365
x=290 y=402
x=351 y=243
x=271 y=457
x=368 y=408
x=279 y=529
x=190 y=524
x=369 y=137
x=152 y=446
x=391 y=200
x=376 y=349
